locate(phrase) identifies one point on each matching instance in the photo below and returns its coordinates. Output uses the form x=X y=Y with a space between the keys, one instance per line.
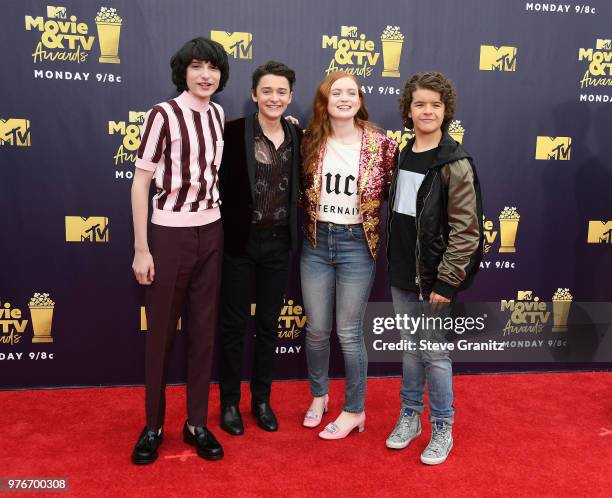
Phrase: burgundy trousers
x=188 y=263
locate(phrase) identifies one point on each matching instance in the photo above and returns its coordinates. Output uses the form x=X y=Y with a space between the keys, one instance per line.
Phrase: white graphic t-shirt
x=339 y=202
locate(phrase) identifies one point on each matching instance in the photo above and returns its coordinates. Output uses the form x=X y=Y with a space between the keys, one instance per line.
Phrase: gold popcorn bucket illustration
x=560 y=314
x=108 y=36
x=508 y=229
x=392 y=52
x=42 y=317
x=456 y=131
x=457 y=135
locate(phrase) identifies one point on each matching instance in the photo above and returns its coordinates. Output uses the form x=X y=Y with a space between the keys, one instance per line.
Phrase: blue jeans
x=341 y=270
x=420 y=366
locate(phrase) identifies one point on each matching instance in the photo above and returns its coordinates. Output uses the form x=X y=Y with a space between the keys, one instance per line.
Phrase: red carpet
x=515 y=435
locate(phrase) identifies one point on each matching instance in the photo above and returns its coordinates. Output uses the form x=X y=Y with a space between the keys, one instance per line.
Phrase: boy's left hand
x=438 y=303
x=437 y=298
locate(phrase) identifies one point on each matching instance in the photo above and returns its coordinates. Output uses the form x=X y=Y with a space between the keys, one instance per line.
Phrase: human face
x=202 y=79
x=272 y=96
x=426 y=111
x=344 y=101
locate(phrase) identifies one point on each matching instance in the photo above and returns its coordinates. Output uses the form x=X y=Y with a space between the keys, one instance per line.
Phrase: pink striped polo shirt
x=182 y=142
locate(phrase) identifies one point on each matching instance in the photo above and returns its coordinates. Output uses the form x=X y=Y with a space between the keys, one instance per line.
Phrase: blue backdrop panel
x=534 y=85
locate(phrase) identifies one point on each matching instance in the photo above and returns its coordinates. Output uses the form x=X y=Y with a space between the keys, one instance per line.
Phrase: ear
x=254 y=96
x=290 y=98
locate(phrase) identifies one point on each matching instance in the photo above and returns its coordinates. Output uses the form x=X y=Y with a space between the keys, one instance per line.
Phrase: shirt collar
x=258 y=132
x=257 y=127
x=188 y=100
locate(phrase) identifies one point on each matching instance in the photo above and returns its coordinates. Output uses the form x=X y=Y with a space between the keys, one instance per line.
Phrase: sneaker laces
x=438 y=440
x=403 y=425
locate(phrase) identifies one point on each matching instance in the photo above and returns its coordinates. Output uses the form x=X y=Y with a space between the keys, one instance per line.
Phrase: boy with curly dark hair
x=434 y=247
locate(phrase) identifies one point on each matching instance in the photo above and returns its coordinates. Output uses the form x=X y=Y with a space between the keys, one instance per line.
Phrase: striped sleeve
x=152 y=141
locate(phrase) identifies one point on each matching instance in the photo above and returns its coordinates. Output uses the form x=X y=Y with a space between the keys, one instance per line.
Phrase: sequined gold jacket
x=377 y=160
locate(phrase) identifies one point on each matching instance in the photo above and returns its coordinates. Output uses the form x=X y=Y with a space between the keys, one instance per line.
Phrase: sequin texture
x=376 y=163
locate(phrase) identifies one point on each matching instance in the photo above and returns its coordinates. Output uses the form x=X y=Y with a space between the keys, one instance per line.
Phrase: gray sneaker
x=440 y=444
x=408 y=427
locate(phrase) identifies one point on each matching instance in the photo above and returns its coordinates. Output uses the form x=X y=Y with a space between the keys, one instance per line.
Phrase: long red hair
x=319 y=129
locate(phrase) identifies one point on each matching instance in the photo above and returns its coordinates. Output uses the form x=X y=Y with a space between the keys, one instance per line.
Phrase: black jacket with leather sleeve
x=449 y=221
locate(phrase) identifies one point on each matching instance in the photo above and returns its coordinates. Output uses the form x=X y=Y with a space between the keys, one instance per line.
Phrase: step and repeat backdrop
x=534 y=84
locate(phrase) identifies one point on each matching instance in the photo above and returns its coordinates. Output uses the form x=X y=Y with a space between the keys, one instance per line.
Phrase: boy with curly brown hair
x=434 y=247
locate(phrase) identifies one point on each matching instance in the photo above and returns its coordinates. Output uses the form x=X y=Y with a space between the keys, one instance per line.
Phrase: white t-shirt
x=339 y=201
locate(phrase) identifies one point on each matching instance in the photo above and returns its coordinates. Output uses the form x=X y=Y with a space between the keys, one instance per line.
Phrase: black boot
x=265 y=416
x=231 y=420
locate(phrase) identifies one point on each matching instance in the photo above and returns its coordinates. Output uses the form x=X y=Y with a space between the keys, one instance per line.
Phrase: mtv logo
x=348 y=31
x=91 y=229
x=237 y=44
x=15 y=131
x=56 y=12
x=524 y=295
x=556 y=148
x=497 y=58
x=600 y=232
x=603 y=44
x=137 y=117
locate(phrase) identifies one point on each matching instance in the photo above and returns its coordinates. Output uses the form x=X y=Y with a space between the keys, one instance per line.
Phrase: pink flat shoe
x=312 y=417
x=332 y=431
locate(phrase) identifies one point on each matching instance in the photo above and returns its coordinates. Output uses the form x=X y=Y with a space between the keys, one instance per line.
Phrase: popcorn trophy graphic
x=392 y=40
x=109 y=30
x=41 y=311
x=456 y=131
x=508 y=226
x=562 y=300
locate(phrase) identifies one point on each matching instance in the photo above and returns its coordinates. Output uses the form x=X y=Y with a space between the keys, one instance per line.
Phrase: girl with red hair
x=346 y=173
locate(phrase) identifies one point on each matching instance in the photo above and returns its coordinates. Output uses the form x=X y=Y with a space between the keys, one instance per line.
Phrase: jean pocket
x=357 y=233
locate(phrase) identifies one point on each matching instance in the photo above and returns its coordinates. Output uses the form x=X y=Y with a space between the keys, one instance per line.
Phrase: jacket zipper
x=392 y=191
x=418 y=244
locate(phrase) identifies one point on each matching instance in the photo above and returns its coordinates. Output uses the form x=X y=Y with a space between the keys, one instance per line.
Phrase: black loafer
x=231 y=420
x=206 y=445
x=265 y=416
x=145 y=451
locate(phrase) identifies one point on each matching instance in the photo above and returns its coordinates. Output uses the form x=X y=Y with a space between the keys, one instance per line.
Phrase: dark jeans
x=266 y=258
